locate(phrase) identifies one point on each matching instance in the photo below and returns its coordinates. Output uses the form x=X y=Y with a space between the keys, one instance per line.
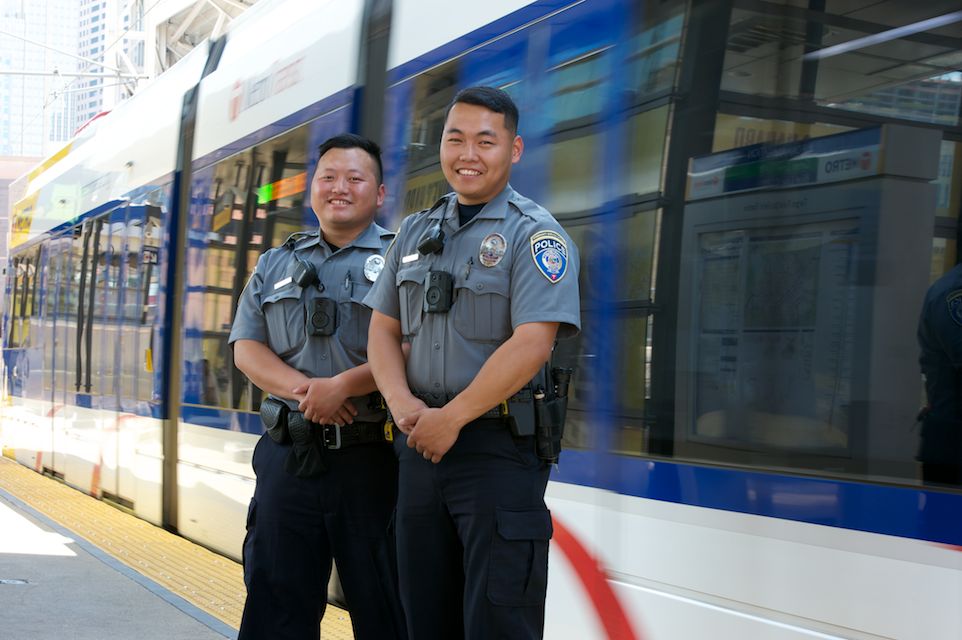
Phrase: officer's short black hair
x=354 y=141
x=490 y=98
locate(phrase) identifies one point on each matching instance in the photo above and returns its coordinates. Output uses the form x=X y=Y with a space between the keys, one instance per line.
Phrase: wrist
x=396 y=395
x=455 y=415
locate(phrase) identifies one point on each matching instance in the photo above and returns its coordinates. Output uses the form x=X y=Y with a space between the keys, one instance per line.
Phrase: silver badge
x=373 y=266
x=493 y=248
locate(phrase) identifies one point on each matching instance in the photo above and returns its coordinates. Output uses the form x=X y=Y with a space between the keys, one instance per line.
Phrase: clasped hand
x=429 y=432
x=322 y=400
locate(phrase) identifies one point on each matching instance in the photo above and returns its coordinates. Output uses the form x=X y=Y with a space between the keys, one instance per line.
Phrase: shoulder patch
x=550 y=254
x=954 y=300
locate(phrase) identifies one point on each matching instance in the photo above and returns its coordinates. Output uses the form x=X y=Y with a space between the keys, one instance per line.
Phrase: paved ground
x=53 y=587
x=77 y=568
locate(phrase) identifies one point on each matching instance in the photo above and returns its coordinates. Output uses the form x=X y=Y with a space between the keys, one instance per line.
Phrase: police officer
x=326 y=477
x=940 y=340
x=477 y=288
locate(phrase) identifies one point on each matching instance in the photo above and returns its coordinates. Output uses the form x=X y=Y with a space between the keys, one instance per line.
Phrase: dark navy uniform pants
x=295 y=526
x=472 y=536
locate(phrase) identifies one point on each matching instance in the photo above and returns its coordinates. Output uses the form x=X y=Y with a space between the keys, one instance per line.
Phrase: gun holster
x=274 y=417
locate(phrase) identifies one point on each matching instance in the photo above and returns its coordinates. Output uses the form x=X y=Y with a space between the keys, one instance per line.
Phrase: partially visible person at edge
x=940 y=342
x=480 y=285
x=326 y=475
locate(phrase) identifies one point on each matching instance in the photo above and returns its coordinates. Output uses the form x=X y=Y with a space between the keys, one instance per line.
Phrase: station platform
x=76 y=567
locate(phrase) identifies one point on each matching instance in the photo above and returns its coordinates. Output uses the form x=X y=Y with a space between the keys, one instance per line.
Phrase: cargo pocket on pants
x=518 y=566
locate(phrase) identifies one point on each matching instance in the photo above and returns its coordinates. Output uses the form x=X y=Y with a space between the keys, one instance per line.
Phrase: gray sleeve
x=383 y=296
x=249 y=322
x=534 y=297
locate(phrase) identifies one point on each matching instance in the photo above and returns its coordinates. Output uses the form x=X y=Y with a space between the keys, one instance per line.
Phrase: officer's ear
x=517 y=148
x=381 y=192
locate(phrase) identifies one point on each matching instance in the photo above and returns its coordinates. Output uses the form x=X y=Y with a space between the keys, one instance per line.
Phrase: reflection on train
x=762 y=193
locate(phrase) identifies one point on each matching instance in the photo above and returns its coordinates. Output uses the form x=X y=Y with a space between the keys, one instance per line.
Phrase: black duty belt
x=332 y=436
x=500 y=411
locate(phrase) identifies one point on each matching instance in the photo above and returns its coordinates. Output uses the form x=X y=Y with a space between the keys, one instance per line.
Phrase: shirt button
x=480 y=286
x=437 y=345
x=320 y=286
x=323 y=356
x=437 y=385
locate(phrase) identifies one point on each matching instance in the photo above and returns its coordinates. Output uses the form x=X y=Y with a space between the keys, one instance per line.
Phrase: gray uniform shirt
x=511 y=264
x=275 y=311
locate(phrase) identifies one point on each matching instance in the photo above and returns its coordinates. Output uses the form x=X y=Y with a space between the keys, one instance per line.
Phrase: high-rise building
x=110 y=33
x=36 y=101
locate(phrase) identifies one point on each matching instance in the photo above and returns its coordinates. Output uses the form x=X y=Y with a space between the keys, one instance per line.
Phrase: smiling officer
x=480 y=286
x=326 y=477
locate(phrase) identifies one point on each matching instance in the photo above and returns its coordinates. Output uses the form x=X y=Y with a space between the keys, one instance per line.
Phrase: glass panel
x=779 y=53
x=785 y=331
x=944 y=256
x=949 y=183
x=257 y=200
x=741 y=131
x=648 y=134
x=148 y=305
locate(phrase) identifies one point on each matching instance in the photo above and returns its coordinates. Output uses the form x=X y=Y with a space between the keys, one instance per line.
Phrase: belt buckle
x=332 y=436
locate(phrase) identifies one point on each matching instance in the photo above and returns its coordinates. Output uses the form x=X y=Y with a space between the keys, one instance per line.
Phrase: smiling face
x=345 y=193
x=477 y=151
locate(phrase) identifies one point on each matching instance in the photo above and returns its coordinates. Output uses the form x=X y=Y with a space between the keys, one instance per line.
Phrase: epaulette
x=297 y=236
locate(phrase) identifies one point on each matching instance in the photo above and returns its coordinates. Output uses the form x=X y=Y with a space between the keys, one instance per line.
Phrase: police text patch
x=954 y=301
x=550 y=254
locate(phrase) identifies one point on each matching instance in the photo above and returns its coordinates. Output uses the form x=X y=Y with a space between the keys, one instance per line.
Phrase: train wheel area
x=148 y=583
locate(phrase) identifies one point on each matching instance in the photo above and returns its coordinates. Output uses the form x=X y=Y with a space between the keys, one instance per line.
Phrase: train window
x=128 y=315
x=73 y=341
x=257 y=201
x=148 y=303
x=31 y=295
x=948 y=201
x=945 y=255
x=433 y=91
x=653 y=52
x=109 y=315
x=772 y=340
x=14 y=278
x=52 y=272
x=647 y=132
x=64 y=316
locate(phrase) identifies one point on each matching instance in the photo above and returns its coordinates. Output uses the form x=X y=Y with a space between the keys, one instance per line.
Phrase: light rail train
x=759 y=216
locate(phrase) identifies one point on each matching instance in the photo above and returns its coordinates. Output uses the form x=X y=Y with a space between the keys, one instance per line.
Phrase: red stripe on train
x=592 y=575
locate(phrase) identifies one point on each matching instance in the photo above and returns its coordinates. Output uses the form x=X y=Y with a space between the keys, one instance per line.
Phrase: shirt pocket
x=285 y=316
x=354 y=320
x=482 y=310
x=410 y=284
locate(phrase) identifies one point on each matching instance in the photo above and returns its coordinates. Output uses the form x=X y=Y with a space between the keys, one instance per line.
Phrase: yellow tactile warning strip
x=207 y=580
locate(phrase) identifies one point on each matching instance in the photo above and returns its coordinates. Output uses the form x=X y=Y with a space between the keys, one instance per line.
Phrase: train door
x=59 y=320
x=110 y=342
x=84 y=423
x=130 y=350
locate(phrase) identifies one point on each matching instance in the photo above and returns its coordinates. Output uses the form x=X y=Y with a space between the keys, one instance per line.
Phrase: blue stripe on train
x=896 y=511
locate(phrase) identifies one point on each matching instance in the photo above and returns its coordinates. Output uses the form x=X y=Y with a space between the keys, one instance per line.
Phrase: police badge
x=373 y=266
x=954 y=301
x=550 y=254
x=493 y=248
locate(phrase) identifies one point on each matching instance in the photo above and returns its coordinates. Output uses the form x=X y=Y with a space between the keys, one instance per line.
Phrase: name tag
x=410 y=258
x=283 y=283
